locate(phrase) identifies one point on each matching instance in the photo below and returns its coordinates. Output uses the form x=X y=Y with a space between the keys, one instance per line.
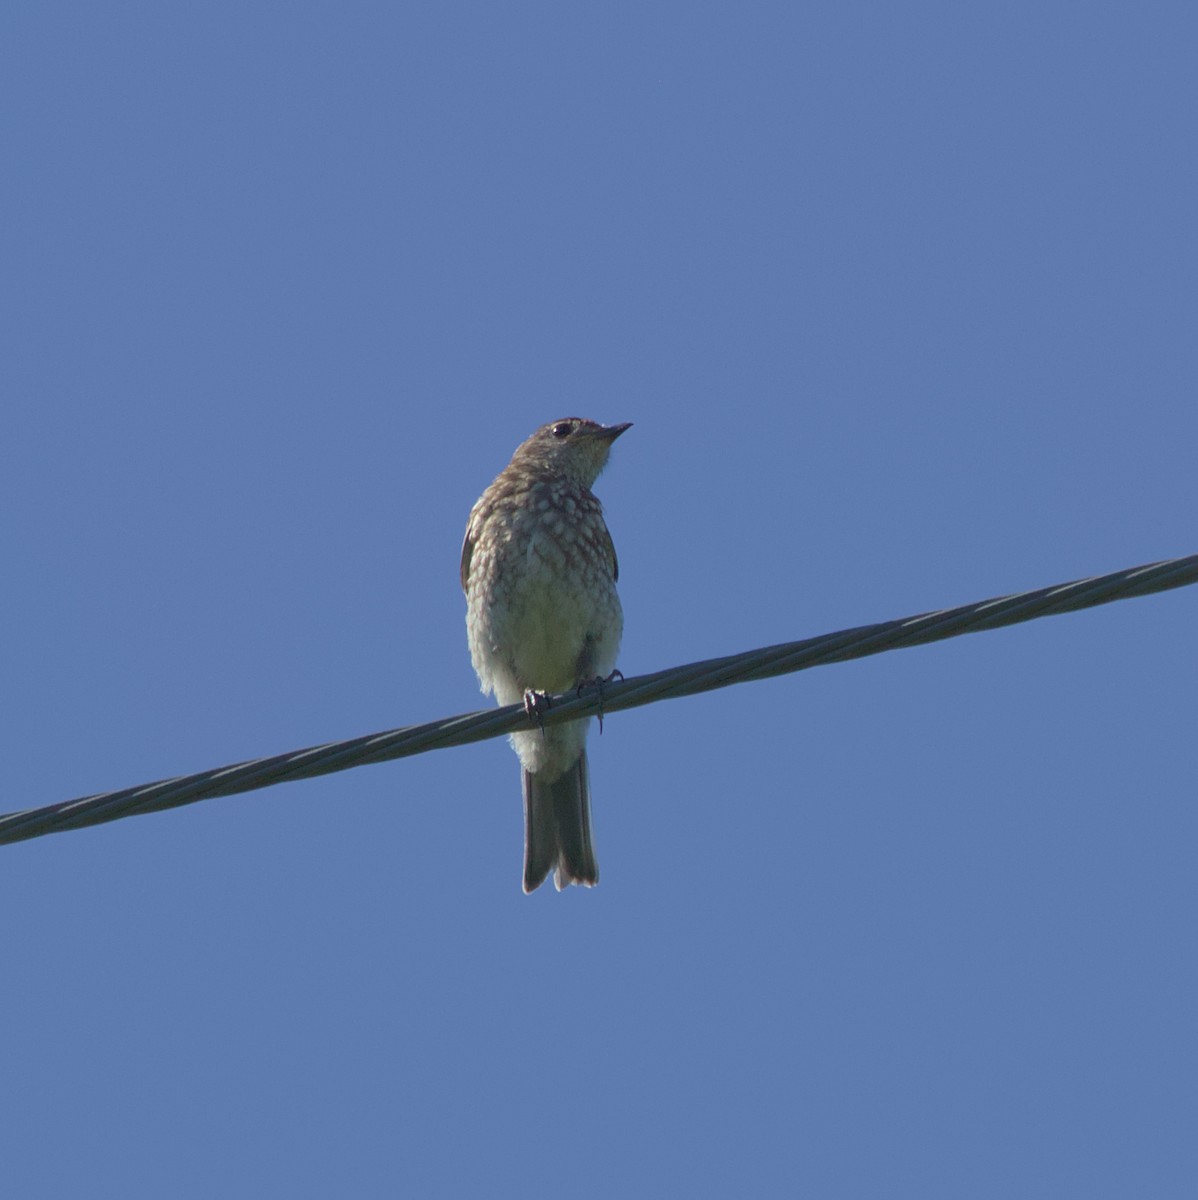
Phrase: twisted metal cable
x=627 y=693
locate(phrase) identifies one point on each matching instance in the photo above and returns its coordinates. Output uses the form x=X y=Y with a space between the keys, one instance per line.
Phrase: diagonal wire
x=627 y=693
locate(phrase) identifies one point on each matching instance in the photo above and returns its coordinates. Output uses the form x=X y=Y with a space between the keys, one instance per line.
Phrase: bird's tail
x=557 y=829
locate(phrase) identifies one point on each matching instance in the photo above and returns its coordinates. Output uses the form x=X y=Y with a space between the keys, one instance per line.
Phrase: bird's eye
x=562 y=429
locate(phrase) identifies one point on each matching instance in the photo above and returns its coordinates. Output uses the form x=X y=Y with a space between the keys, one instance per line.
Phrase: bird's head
x=573 y=447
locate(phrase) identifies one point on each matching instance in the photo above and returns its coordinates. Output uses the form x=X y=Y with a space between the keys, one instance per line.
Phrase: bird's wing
x=467 y=551
x=611 y=550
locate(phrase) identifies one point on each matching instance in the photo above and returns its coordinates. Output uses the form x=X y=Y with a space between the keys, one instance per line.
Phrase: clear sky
x=901 y=300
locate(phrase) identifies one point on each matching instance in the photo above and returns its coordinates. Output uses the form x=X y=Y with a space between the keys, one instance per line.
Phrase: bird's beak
x=609 y=433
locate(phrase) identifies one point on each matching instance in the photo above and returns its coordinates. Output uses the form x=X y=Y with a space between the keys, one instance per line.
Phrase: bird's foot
x=598 y=682
x=536 y=705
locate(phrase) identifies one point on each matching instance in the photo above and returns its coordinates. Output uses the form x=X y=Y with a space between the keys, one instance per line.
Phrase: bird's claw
x=536 y=705
x=598 y=682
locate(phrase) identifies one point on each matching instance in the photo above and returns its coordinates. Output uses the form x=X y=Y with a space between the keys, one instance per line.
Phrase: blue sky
x=901 y=301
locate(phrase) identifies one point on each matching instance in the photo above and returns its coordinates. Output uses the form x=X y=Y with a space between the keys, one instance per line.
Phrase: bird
x=539 y=571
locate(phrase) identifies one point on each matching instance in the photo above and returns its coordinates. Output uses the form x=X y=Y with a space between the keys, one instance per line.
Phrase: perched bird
x=539 y=572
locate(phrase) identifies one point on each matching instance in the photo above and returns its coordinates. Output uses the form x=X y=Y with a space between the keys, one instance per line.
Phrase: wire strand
x=687 y=680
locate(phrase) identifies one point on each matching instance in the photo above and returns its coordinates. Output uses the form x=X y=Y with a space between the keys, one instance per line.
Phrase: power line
x=628 y=693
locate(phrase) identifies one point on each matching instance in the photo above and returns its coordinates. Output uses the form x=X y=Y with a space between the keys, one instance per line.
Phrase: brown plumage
x=539 y=572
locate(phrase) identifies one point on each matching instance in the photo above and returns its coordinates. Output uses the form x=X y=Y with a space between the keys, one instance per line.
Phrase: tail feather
x=540 y=832
x=557 y=829
x=572 y=807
